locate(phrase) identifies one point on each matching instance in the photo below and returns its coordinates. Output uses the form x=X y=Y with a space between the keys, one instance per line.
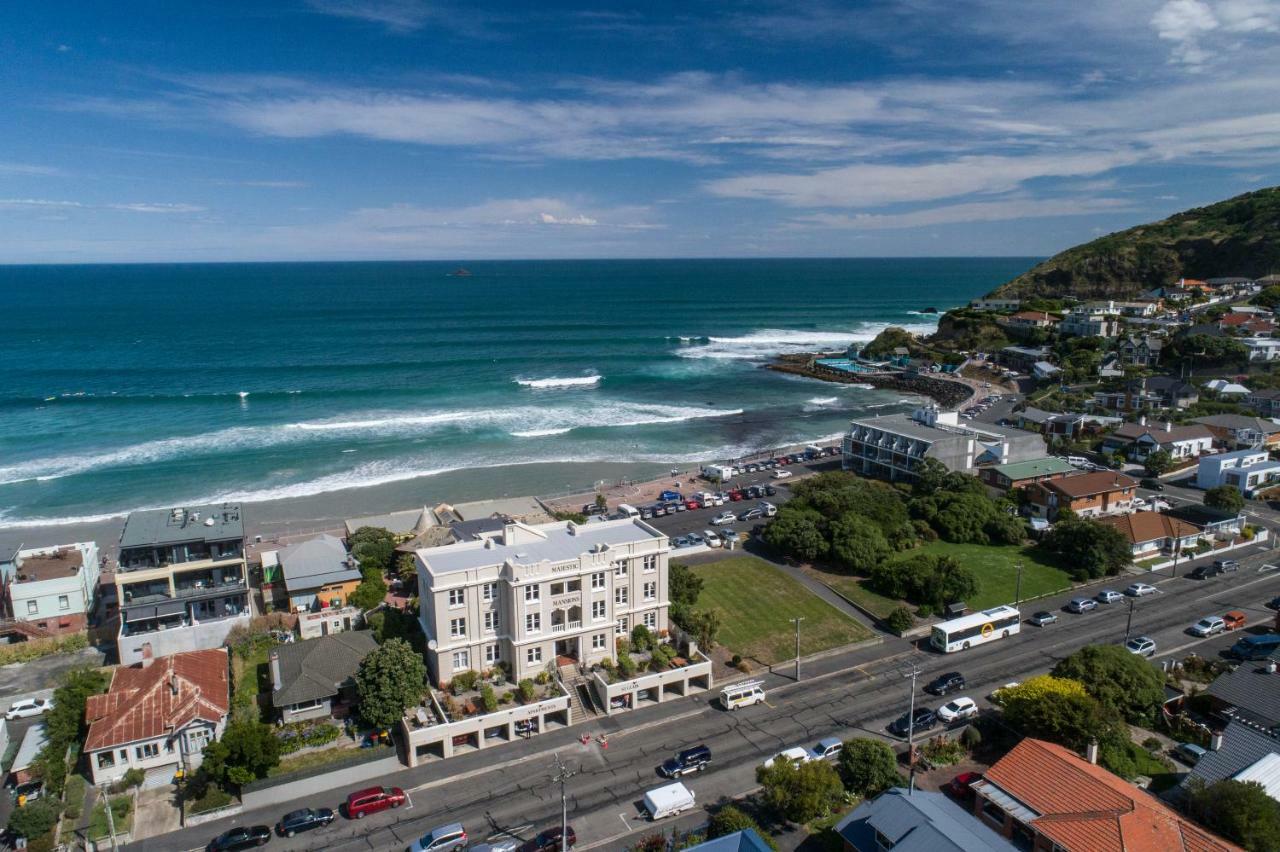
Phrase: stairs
x=582 y=705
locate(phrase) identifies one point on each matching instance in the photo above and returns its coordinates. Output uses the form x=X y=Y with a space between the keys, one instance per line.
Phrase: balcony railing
x=563 y=626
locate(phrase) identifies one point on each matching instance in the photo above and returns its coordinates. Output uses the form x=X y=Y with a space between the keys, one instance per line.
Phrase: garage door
x=160 y=777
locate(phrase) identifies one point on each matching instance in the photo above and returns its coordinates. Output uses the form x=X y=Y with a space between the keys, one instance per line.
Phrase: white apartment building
x=53 y=588
x=527 y=595
x=1091 y=321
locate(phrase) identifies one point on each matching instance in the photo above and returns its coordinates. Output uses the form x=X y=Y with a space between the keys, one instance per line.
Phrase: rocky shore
x=948 y=393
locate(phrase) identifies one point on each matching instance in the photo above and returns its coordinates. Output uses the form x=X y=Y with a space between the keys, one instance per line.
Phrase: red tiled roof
x=1149 y=526
x=1084 y=808
x=1035 y=316
x=1235 y=319
x=145 y=703
x=1088 y=484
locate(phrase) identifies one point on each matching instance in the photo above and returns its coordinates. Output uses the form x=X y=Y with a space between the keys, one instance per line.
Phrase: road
x=853 y=694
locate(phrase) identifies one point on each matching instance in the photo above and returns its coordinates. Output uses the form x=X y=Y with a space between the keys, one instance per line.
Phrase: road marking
x=408 y=799
x=623 y=817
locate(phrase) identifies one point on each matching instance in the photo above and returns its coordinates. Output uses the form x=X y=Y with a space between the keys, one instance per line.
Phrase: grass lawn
x=121 y=809
x=997 y=576
x=855 y=589
x=309 y=759
x=252 y=676
x=757 y=601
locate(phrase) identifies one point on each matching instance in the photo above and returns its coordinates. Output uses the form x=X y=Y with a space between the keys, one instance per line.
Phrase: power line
x=563 y=775
x=913 y=674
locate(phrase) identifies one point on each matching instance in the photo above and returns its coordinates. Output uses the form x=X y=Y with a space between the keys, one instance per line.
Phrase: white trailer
x=668 y=801
x=718 y=472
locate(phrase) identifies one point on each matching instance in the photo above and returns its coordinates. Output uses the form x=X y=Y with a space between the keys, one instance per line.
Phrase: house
x=893 y=446
x=309 y=677
x=1068 y=425
x=1087 y=494
x=1261 y=349
x=1023 y=358
x=1155 y=392
x=918 y=821
x=1220 y=523
x=746 y=840
x=1045 y=797
x=1152 y=533
x=1139 y=351
x=317 y=573
x=157 y=716
x=535 y=596
x=1044 y=371
x=1249 y=695
x=1245 y=470
x=1138 y=440
x=1265 y=402
x=1239 y=432
x=1240 y=753
x=54 y=589
x=402 y=525
x=181 y=580
x=1090 y=321
x=995 y=304
x=1033 y=419
x=1028 y=320
x=1226 y=389
x=1007 y=477
x=1141 y=309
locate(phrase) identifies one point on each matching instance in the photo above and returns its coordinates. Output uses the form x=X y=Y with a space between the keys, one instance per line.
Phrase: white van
x=626 y=510
x=668 y=801
x=742 y=694
x=1077 y=461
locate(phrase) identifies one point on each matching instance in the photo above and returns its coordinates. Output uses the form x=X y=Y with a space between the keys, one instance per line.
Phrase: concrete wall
x=438 y=741
x=197 y=637
x=329 y=621
x=323 y=786
x=659 y=686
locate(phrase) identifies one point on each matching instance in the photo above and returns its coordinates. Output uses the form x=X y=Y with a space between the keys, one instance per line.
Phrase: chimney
x=173 y=683
x=1215 y=742
x=148 y=656
x=1091 y=752
x=1168 y=425
x=1142 y=420
x=275 y=671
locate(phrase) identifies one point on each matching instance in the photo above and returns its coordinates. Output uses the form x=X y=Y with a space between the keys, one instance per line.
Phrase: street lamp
x=1017 y=595
x=796 y=621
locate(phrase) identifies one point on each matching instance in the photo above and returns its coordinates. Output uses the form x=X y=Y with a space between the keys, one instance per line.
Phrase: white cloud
x=1185 y=22
x=395 y=15
x=124 y=207
x=152 y=207
x=983 y=211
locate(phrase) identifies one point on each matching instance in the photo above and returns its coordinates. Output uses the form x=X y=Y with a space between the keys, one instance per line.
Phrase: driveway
x=38 y=678
x=157 y=813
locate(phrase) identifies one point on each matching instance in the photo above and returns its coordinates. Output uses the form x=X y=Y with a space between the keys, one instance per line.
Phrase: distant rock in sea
x=929 y=311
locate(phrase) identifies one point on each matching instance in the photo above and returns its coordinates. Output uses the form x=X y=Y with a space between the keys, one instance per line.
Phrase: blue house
x=916 y=822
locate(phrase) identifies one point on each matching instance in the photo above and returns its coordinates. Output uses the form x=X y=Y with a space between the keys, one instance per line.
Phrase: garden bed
x=472 y=694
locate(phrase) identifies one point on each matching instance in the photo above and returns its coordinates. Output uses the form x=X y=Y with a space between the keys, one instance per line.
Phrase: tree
x=925 y=579
x=857 y=543
x=729 y=820
x=1122 y=682
x=800 y=793
x=900 y=620
x=389 y=680
x=247 y=751
x=371 y=591
x=1087 y=549
x=1059 y=710
x=34 y=819
x=374 y=547
x=1158 y=463
x=796 y=531
x=1268 y=298
x=868 y=767
x=65 y=724
x=704 y=625
x=1238 y=810
x=683 y=586
x=1226 y=497
x=929 y=478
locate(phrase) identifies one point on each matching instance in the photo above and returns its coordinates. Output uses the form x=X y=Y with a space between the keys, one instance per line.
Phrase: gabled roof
x=1253 y=693
x=918 y=822
x=1034 y=316
x=1085 y=808
x=1161 y=435
x=150 y=701
x=315 y=669
x=315 y=562
x=1270 y=393
x=1141 y=527
x=1035 y=415
x=1236 y=422
x=1242 y=747
x=1089 y=484
x=740 y=841
x=1048 y=466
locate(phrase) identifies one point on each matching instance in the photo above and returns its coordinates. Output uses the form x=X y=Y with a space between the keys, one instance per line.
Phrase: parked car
x=695 y=539
x=962 y=785
x=1234 y=620
x=441 y=839
x=680 y=541
x=1204 y=572
x=957 y=710
x=303 y=820
x=1255 y=647
x=710 y=537
x=27 y=791
x=25 y=707
x=242 y=837
x=795 y=754
x=1108 y=596
x=550 y=841
x=1208 y=626
x=924 y=720
x=724 y=518
x=1138 y=590
x=1151 y=484
x=1274 y=603
x=689 y=760
x=1081 y=604
x=781 y=474
x=1226 y=564
x=372 y=800
x=730 y=537
x=1189 y=753
x=769 y=509
x=751 y=514
x=1143 y=646
x=944 y=683
x=769 y=491
x=826 y=748
x=1043 y=617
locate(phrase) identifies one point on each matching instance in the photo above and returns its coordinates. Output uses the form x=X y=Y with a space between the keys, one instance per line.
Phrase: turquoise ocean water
x=131 y=386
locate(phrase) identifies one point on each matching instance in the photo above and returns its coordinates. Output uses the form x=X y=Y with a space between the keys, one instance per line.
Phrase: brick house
x=1153 y=533
x=1087 y=494
x=1007 y=477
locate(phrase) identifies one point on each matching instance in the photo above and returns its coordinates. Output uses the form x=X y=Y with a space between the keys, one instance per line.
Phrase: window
x=490 y=622
x=490 y=654
x=301 y=705
x=458 y=628
x=106 y=760
x=620 y=569
x=64 y=602
x=598 y=580
x=531 y=594
x=200 y=738
x=574 y=585
x=146 y=750
x=650 y=591
x=651 y=563
x=461 y=661
x=621 y=626
x=599 y=642
x=557 y=589
x=489 y=592
x=993 y=812
x=651 y=620
x=599 y=610
x=533 y=655
x=32 y=607
x=533 y=622
x=620 y=596
x=457 y=598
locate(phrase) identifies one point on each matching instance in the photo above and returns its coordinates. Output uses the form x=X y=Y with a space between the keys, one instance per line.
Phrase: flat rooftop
x=182 y=525
x=521 y=544
x=905 y=424
x=63 y=562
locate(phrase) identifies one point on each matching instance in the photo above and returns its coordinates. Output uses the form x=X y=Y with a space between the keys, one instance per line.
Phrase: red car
x=735 y=496
x=373 y=800
x=692 y=504
x=962 y=784
x=782 y=460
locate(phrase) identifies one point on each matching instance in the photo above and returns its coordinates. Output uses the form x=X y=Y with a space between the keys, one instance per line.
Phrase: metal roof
x=315 y=562
x=181 y=525
x=32 y=741
x=740 y=841
x=918 y=822
x=1266 y=771
x=1035 y=467
x=1242 y=746
x=1007 y=802
x=315 y=669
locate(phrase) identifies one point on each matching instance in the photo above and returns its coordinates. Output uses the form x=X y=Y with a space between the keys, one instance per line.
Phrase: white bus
x=966 y=631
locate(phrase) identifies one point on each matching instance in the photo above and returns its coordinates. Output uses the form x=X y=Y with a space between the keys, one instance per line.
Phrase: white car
x=28 y=707
x=724 y=518
x=710 y=537
x=1143 y=646
x=1208 y=626
x=957 y=709
x=1139 y=590
x=781 y=474
x=796 y=755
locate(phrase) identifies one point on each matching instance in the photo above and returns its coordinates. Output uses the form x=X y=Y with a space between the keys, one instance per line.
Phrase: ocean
x=124 y=387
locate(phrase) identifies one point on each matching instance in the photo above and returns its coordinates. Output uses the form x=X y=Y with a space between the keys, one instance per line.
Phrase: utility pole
x=563 y=775
x=111 y=819
x=911 y=728
x=1128 y=625
x=796 y=621
x=1017 y=595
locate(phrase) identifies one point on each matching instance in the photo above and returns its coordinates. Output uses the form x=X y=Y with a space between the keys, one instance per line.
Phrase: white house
x=1245 y=470
x=1225 y=388
x=1262 y=348
x=53 y=588
x=157 y=716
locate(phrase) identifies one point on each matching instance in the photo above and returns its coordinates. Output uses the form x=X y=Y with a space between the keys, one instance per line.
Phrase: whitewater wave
x=557 y=382
x=823 y=400
x=768 y=342
x=541 y=433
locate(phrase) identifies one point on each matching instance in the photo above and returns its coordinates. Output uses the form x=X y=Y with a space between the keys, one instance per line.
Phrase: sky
x=223 y=130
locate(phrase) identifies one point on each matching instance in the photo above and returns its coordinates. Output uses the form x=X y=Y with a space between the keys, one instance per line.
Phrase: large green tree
x=1226 y=497
x=1122 y=682
x=1087 y=549
x=247 y=751
x=34 y=819
x=1059 y=710
x=1238 y=810
x=730 y=820
x=968 y=517
x=1158 y=463
x=927 y=578
x=65 y=723
x=374 y=547
x=857 y=544
x=390 y=679
x=797 y=531
x=800 y=793
x=868 y=766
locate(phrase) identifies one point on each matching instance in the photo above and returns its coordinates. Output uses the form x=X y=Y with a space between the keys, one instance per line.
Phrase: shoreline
x=948 y=393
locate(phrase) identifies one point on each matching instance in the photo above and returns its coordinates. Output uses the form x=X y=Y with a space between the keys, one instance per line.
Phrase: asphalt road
x=856 y=694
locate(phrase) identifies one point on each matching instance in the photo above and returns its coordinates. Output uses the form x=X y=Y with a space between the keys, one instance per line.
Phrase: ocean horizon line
x=513 y=260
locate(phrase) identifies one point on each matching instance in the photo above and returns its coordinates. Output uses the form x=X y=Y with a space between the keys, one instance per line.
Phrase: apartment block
x=52 y=589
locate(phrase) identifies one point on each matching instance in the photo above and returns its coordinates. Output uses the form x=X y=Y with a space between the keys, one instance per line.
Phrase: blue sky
x=361 y=129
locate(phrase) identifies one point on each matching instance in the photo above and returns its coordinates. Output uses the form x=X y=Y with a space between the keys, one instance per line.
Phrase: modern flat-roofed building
x=894 y=446
x=181 y=581
x=526 y=595
x=54 y=589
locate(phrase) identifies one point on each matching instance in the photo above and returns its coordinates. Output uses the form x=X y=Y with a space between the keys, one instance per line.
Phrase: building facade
x=1089 y=495
x=55 y=589
x=318 y=573
x=531 y=597
x=181 y=581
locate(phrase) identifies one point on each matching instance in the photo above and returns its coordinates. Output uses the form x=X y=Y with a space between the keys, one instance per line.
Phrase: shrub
x=662 y=657
x=729 y=819
x=971 y=737
x=526 y=690
x=641 y=638
x=744 y=667
x=626 y=665
x=1152 y=744
x=900 y=620
x=542 y=678
x=735 y=659
x=34 y=819
x=488 y=699
x=622 y=645
x=464 y=682
x=868 y=766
